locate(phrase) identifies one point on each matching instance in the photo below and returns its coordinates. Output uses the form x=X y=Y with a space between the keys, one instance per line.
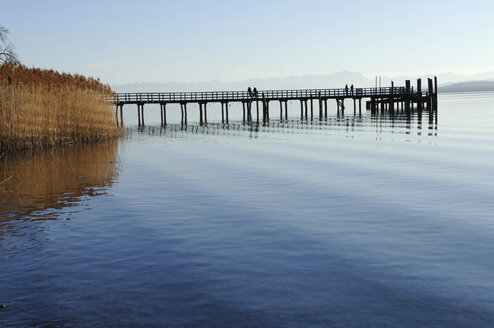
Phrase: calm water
x=355 y=221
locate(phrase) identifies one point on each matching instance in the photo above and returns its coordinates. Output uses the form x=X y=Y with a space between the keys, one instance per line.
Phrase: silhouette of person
x=351 y=89
x=346 y=89
x=255 y=92
x=249 y=90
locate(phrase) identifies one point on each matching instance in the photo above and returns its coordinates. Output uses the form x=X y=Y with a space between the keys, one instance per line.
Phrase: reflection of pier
x=380 y=99
x=398 y=122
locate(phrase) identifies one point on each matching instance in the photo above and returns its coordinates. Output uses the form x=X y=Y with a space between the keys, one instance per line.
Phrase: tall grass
x=44 y=108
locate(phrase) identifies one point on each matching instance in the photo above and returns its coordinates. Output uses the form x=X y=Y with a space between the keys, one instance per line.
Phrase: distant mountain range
x=335 y=80
x=447 y=83
x=470 y=86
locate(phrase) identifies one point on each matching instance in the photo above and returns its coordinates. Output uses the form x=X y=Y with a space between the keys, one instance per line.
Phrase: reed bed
x=40 y=108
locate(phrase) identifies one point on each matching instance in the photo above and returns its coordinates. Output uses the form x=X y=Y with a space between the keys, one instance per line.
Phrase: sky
x=190 y=41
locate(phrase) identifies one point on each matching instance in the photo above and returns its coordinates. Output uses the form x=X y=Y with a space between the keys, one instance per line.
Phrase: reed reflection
x=37 y=186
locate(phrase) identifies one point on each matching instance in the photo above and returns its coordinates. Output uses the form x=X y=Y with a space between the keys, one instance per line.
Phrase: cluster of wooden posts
x=407 y=101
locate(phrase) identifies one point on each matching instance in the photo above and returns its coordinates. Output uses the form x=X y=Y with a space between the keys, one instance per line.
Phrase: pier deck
x=386 y=98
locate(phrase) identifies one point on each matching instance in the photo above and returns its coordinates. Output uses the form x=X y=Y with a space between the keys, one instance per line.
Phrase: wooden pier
x=313 y=102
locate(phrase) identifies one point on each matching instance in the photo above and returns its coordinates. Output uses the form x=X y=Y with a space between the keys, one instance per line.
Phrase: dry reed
x=45 y=108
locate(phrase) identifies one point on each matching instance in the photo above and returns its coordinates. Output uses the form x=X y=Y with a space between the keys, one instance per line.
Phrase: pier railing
x=266 y=95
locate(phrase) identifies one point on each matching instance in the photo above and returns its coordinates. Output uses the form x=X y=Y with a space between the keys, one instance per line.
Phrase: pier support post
x=205 y=113
x=183 y=108
x=430 y=93
x=142 y=114
x=341 y=105
x=373 y=105
x=419 y=94
x=222 y=113
x=181 y=114
x=281 y=110
x=257 y=107
x=163 y=113
x=243 y=111
x=119 y=106
x=121 y=114
x=325 y=108
x=265 y=110
x=301 y=109
x=435 y=93
x=200 y=114
x=226 y=109
x=320 y=106
x=249 y=112
x=311 y=108
x=138 y=115
x=286 y=110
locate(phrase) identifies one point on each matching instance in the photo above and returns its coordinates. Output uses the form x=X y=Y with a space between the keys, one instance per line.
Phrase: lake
x=352 y=221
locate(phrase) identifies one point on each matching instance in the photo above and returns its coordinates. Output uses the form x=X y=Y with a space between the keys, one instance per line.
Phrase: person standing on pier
x=249 y=90
x=346 y=89
x=255 y=92
x=351 y=89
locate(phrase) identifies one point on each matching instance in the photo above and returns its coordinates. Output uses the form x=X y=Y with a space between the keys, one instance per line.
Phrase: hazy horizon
x=191 y=41
x=334 y=80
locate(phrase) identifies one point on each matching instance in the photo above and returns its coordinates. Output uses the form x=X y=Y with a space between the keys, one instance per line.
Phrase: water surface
x=355 y=220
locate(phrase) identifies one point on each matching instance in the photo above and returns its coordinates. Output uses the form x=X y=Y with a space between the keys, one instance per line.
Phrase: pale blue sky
x=187 y=41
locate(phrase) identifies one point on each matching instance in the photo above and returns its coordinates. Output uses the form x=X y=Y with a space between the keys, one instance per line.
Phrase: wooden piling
x=138 y=115
x=161 y=114
x=419 y=94
x=430 y=93
x=226 y=109
x=434 y=100
x=222 y=113
x=185 y=113
x=243 y=111
x=182 y=114
x=121 y=115
x=311 y=109
x=142 y=114
x=320 y=106
x=200 y=114
x=249 y=112
x=257 y=107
